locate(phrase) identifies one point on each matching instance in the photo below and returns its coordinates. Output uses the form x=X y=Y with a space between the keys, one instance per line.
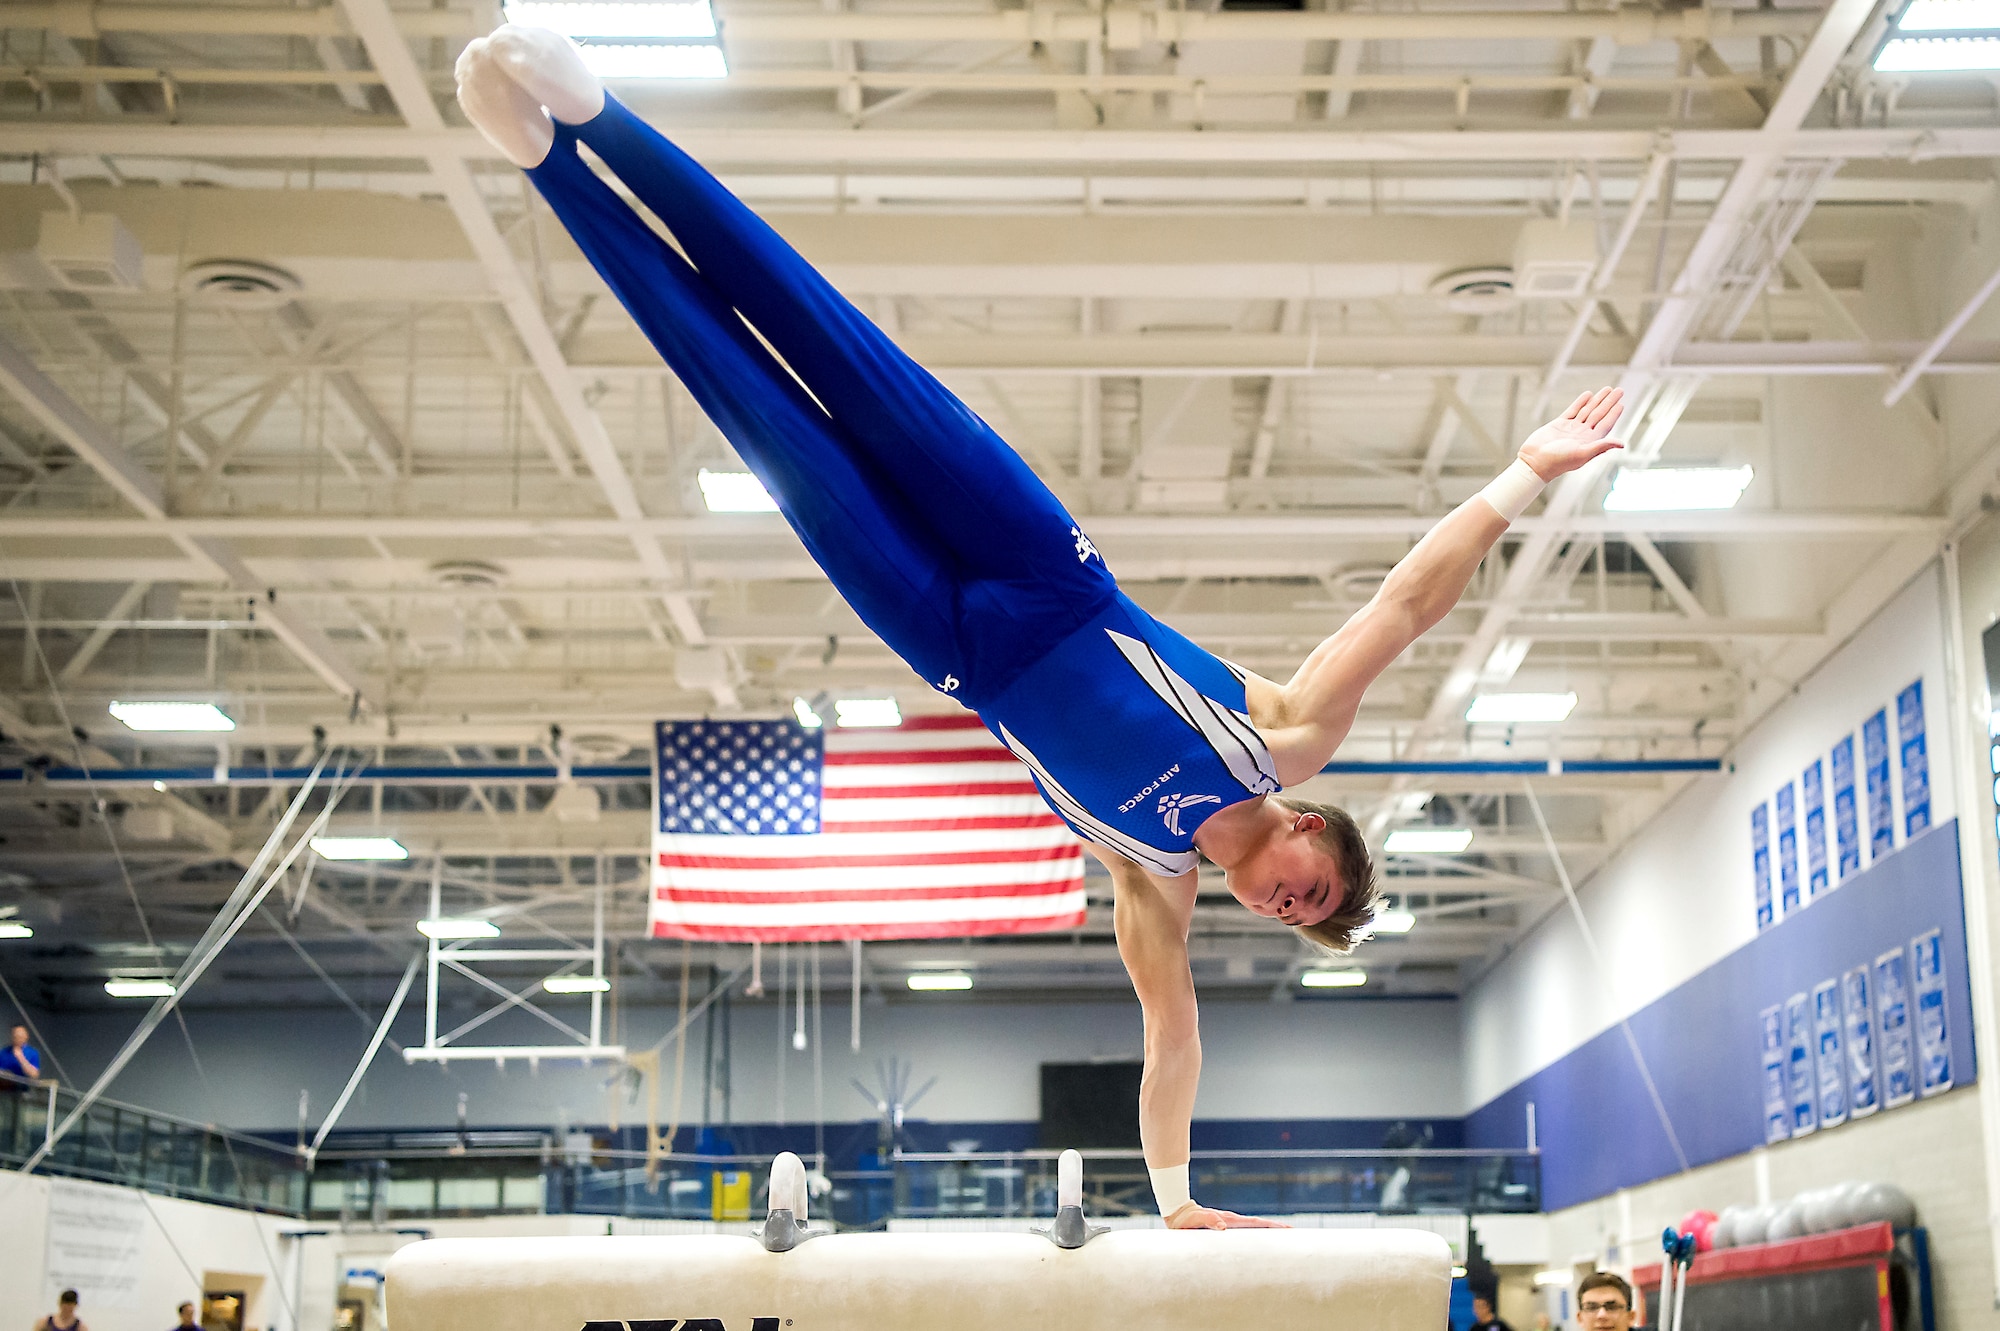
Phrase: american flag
x=768 y=832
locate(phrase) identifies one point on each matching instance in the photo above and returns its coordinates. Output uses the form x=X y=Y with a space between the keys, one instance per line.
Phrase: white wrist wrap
x=1513 y=490
x=1170 y=1188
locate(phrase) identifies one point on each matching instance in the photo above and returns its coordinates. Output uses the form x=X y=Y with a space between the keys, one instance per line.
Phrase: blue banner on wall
x=1760 y=863
x=1860 y=1019
x=1881 y=810
x=1846 y=817
x=1892 y=1022
x=1788 y=847
x=1801 y=1083
x=1812 y=787
x=1827 y=1054
x=1933 y=1035
x=1916 y=759
x=1777 y=1103
x=1598 y=1127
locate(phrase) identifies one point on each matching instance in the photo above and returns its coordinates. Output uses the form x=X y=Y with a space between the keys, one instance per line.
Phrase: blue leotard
x=938 y=535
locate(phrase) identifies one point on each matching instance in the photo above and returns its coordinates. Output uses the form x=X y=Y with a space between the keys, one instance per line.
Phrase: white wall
x=1308 y=1059
x=1678 y=897
x=183 y=1241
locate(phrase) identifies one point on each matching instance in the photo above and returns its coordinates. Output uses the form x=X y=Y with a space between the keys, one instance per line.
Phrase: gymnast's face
x=1289 y=878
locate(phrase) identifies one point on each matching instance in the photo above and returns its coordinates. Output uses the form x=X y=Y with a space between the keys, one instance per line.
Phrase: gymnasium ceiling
x=366 y=450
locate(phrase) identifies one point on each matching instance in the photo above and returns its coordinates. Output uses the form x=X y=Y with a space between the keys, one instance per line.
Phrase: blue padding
x=1596 y=1123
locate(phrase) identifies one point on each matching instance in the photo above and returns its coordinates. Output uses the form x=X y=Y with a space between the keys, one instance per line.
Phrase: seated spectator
x=1484 y=1316
x=20 y=1058
x=64 y=1318
x=1604 y=1303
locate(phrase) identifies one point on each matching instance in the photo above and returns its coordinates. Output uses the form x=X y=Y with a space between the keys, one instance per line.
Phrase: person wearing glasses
x=1604 y=1303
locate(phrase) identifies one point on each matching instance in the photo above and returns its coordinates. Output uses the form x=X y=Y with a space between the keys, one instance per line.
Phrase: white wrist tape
x=1513 y=490
x=1170 y=1188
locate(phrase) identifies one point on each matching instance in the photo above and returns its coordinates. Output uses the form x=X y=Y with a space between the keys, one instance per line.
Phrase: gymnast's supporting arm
x=1151 y=917
x=1311 y=715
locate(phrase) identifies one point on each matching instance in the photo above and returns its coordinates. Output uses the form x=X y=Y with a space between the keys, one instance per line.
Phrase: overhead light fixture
x=932 y=981
x=1553 y=1276
x=139 y=988
x=359 y=848
x=15 y=929
x=1458 y=1273
x=808 y=718
x=1324 y=979
x=858 y=712
x=160 y=787
x=576 y=984
x=655 y=60
x=1676 y=489
x=172 y=716
x=1512 y=709
x=689 y=18
x=732 y=491
x=1427 y=841
x=1395 y=920
x=1938 y=55
x=447 y=928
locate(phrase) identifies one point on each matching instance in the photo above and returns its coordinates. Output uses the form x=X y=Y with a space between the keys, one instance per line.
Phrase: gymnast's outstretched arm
x=1151 y=916
x=1306 y=719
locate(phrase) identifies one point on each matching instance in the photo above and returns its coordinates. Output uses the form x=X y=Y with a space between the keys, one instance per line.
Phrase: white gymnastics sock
x=550 y=67
x=505 y=112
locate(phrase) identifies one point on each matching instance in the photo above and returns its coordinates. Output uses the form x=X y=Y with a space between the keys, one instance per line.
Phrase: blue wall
x=1596 y=1122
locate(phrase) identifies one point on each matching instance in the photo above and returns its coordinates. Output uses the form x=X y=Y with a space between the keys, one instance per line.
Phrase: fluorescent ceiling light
x=1519 y=708
x=1938 y=55
x=1675 y=489
x=689 y=18
x=359 y=848
x=933 y=980
x=15 y=929
x=1552 y=1276
x=171 y=716
x=458 y=928
x=1349 y=979
x=662 y=60
x=139 y=988
x=808 y=718
x=734 y=492
x=1948 y=15
x=576 y=984
x=1395 y=921
x=867 y=712
x=1426 y=841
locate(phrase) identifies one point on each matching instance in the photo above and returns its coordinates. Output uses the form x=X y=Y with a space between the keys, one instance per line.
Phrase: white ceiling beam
x=114 y=619
x=63 y=417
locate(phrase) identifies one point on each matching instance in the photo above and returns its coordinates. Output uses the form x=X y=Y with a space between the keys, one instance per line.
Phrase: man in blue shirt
x=20 y=1058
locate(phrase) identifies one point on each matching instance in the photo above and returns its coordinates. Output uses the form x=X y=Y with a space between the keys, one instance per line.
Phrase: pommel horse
x=1071 y=1277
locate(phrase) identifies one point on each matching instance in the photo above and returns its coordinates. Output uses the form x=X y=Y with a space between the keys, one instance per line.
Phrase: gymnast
x=951 y=550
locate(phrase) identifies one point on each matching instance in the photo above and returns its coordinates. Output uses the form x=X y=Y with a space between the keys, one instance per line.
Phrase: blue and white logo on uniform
x=1171 y=805
x=1085 y=551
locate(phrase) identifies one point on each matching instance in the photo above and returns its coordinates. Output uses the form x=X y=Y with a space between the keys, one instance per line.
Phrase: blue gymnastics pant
x=934 y=530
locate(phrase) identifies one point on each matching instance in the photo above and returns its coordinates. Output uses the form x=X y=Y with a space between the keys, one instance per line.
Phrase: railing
x=119 y=1143
x=489 y=1178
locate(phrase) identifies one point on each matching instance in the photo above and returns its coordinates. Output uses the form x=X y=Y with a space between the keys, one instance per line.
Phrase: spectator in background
x=1484 y=1317
x=64 y=1318
x=1604 y=1303
x=187 y=1322
x=20 y=1058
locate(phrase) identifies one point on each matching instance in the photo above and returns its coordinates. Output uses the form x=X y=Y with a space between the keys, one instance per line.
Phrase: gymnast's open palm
x=1207 y=1217
x=1577 y=436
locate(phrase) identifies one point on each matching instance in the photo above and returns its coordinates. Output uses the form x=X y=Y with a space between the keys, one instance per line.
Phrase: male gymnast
x=950 y=549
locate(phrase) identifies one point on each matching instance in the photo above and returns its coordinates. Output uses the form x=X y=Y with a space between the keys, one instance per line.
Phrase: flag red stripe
x=936 y=723
x=994 y=823
x=824 y=933
x=900 y=757
x=834 y=793
x=713 y=896
x=671 y=861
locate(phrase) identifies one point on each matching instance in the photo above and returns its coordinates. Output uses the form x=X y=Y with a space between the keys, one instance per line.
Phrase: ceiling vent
x=91 y=252
x=1554 y=260
x=243 y=283
x=470 y=574
x=1476 y=290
